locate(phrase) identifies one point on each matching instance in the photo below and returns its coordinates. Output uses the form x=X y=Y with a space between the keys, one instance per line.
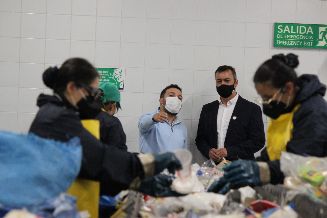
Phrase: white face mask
x=173 y=105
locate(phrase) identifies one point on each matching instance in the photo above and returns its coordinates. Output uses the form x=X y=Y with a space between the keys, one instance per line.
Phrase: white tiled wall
x=158 y=42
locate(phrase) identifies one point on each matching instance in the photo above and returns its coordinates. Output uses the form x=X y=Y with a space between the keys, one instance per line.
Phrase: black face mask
x=225 y=90
x=274 y=109
x=88 y=108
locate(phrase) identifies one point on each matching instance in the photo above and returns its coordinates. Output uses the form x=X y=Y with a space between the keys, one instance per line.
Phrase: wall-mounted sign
x=112 y=75
x=296 y=35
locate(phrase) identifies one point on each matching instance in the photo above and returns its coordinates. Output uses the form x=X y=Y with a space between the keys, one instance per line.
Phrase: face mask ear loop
x=288 y=101
x=280 y=97
x=71 y=100
x=83 y=96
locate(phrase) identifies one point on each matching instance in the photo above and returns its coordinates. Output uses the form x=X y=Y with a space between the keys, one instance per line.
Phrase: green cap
x=110 y=92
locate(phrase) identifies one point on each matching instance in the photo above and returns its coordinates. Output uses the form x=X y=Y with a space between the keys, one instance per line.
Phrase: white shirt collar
x=230 y=102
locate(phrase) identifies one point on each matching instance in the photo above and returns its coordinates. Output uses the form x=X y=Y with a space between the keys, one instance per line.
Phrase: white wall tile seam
x=8 y=111
x=71 y=28
x=45 y=32
x=20 y=43
x=82 y=40
x=10 y=11
x=101 y=40
x=9 y=37
x=95 y=34
x=34 y=13
x=120 y=38
x=31 y=62
x=62 y=39
x=31 y=38
x=107 y=16
x=60 y=14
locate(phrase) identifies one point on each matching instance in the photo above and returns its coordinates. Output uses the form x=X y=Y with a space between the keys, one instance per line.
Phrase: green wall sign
x=296 y=35
x=112 y=75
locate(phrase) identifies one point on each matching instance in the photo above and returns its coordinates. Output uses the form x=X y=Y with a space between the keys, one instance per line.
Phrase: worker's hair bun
x=50 y=76
x=290 y=59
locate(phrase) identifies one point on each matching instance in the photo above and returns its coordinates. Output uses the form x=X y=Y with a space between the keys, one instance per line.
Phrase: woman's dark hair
x=77 y=70
x=278 y=70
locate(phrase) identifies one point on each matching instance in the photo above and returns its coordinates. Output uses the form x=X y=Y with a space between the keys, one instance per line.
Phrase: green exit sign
x=112 y=75
x=296 y=35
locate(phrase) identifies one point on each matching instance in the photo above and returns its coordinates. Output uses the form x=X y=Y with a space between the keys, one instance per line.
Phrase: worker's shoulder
x=54 y=110
x=107 y=119
x=149 y=114
x=213 y=104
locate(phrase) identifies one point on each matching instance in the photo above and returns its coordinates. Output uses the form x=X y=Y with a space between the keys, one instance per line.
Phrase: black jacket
x=245 y=134
x=309 y=136
x=111 y=131
x=58 y=120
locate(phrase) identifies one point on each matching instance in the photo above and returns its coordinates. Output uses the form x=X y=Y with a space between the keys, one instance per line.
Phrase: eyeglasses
x=260 y=100
x=90 y=90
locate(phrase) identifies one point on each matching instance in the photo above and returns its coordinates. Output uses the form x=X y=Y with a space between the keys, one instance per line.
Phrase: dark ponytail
x=278 y=70
x=77 y=70
x=50 y=76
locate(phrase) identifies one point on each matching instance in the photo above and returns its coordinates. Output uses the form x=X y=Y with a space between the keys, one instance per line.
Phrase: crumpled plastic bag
x=34 y=169
x=63 y=206
x=209 y=172
x=305 y=174
x=201 y=203
x=20 y=214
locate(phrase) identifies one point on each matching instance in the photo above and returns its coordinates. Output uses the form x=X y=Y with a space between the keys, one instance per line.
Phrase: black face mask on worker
x=225 y=90
x=274 y=109
x=88 y=107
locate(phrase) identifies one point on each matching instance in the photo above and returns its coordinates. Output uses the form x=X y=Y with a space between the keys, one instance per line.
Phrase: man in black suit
x=230 y=127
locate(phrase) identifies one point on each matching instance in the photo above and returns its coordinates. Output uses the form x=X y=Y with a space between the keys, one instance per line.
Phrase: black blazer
x=245 y=134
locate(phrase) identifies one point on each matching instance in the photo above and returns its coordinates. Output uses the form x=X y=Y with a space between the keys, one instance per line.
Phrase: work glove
x=158 y=186
x=167 y=161
x=237 y=174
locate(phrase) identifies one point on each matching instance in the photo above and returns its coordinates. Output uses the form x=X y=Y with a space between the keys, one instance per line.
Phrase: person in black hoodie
x=298 y=123
x=111 y=129
x=59 y=118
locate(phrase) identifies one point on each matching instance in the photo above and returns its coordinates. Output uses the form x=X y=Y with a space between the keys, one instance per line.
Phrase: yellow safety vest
x=279 y=133
x=86 y=191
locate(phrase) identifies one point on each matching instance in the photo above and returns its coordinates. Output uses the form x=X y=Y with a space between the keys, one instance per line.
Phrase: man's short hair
x=163 y=92
x=226 y=67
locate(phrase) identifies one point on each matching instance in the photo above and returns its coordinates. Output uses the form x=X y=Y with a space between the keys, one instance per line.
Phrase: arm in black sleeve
x=276 y=175
x=263 y=155
x=201 y=140
x=256 y=137
x=114 y=168
x=308 y=138
x=309 y=133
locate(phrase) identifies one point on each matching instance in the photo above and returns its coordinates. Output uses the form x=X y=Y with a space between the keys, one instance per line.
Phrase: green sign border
x=297 y=35
x=112 y=75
